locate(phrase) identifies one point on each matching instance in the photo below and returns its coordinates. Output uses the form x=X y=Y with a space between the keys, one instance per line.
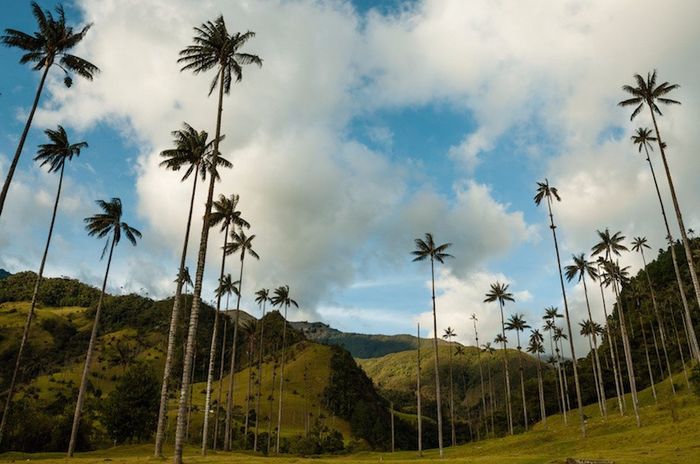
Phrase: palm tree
x=213 y=48
x=428 y=249
x=54 y=154
x=449 y=335
x=648 y=93
x=262 y=296
x=559 y=336
x=282 y=299
x=580 y=268
x=224 y=214
x=517 y=322
x=588 y=330
x=194 y=153
x=227 y=286
x=418 y=395
x=536 y=347
x=639 y=244
x=478 y=359
x=243 y=244
x=545 y=191
x=108 y=224
x=46 y=47
x=487 y=348
x=499 y=292
x=551 y=314
x=250 y=333
x=646 y=354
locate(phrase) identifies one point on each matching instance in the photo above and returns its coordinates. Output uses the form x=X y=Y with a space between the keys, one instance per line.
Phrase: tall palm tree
x=107 y=223
x=243 y=244
x=518 y=323
x=546 y=191
x=427 y=249
x=536 y=347
x=227 y=286
x=551 y=314
x=499 y=292
x=224 y=214
x=580 y=268
x=213 y=48
x=194 y=153
x=589 y=331
x=487 y=348
x=449 y=335
x=46 y=47
x=638 y=245
x=262 y=297
x=54 y=154
x=418 y=395
x=646 y=354
x=559 y=336
x=282 y=299
x=475 y=319
x=648 y=93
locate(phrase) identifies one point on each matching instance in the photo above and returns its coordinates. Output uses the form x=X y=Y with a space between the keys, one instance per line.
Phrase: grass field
x=670 y=433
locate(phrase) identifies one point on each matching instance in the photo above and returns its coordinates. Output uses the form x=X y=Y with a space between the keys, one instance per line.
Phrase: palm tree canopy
x=427 y=249
x=639 y=243
x=241 y=242
x=193 y=151
x=559 y=334
x=609 y=244
x=58 y=150
x=517 y=322
x=536 y=335
x=53 y=40
x=487 y=348
x=500 y=339
x=587 y=327
x=643 y=138
x=215 y=47
x=449 y=333
x=225 y=213
x=281 y=297
x=227 y=286
x=262 y=295
x=614 y=273
x=498 y=292
x=544 y=190
x=580 y=267
x=648 y=92
x=109 y=221
x=535 y=346
x=551 y=313
x=184 y=276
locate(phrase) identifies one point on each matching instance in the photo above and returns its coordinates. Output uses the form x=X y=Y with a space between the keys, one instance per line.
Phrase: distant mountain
x=4 y=273
x=363 y=346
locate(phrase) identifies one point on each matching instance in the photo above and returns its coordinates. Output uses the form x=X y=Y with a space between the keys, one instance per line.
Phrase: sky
x=368 y=125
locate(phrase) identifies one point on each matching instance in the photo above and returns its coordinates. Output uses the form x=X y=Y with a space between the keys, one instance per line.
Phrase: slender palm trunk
x=30 y=314
x=522 y=380
x=600 y=387
x=481 y=372
x=272 y=399
x=163 y=409
x=212 y=351
x=197 y=295
x=509 y=407
x=686 y=244
x=190 y=393
x=247 y=396
x=558 y=383
x=595 y=377
x=222 y=361
x=646 y=354
x=491 y=397
x=23 y=137
x=567 y=396
x=279 y=400
x=613 y=355
x=452 y=402
x=568 y=321
x=680 y=350
x=88 y=359
x=437 y=362
x=540 y=385
x=628 y=354
x=232 y=369
x=418 y=397
x=257 y=399
x=656 y=350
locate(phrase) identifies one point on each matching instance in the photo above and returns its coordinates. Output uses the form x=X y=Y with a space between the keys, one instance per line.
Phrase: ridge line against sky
x=367 y=126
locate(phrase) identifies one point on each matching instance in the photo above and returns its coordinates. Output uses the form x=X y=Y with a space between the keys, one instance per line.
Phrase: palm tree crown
x=227 y=286
x=241 y=242
x=225 y=213
x=609 y=244
x=281 y=297
x=214 y=46
x=109 y=222
x=643 y=138
x=499 y=292
x=580 y=267
x=427 y=249
x=59 y=150
x=639 y=243
x=262 y=295
x=194 y=151
x=544 y=190
x=648 y=92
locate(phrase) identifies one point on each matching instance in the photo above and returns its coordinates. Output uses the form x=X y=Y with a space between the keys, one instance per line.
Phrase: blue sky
x=368 y=125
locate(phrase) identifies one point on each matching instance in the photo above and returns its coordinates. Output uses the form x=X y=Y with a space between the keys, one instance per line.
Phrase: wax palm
x=551 y=314
x=609 y=245
x=427 y=249
x=536 y=347
x=195 y=153
x=499 y=292
x=262 y=297
x=545 y=191
x=448 y=335
x=487 y=348
x=45 y=48
x=589 y=330
x=106 y=224
x=213 y=48
x=242 y=244
x=517 y=322
x=224 y=214
x=282 y=299
x=580 y=269
x=475 y=319
x=54 y=155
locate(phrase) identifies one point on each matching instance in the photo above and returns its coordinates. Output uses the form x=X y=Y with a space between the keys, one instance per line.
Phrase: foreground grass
x=670 y=433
